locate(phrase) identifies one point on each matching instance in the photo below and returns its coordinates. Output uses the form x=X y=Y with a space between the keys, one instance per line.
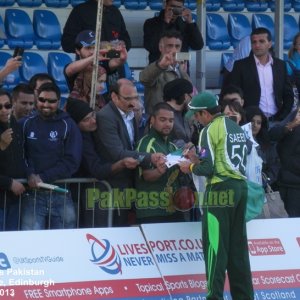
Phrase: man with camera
x=174 y=17
x=168 y=67
x=79 y=72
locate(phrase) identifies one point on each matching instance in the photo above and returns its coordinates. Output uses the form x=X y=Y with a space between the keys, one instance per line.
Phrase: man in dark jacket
x=52 y=144
x=263 y=78
x=84 y=16
x=93 y=211
x=12 y=165
x=174 y=17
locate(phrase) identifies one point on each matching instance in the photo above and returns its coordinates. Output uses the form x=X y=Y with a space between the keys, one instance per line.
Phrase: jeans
x=10 y=215
x=47 y=210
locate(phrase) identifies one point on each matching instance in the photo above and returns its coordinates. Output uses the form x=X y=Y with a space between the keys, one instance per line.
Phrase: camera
x=177 y=11
x=18 y=51
x=113 y=54
x=182 y=56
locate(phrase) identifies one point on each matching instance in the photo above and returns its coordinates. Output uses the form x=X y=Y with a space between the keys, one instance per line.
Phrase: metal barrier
x=82 y=195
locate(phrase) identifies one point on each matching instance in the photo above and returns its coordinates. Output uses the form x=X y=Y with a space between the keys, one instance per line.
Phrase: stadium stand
x=2 y=33
x=290 y=30
x=18 y=28
x=56 y=3
x=30 y=3
x=56 y=64
x=263 y=20
x=33 y=63
x=47 y=29
x=238 y=26
x=191 y=4
x=296 y=5
x=256 y=6
x=135 y=4
x=155 y=4
x=217 y=37
x=287 y=5
x=7 y=2
x=233 y=5
x=213 y=5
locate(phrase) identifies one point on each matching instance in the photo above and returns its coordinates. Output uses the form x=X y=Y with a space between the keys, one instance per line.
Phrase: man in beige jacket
x=165 y=69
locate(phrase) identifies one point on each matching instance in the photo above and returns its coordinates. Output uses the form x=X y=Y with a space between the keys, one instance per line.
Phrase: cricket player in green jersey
x=222 y=159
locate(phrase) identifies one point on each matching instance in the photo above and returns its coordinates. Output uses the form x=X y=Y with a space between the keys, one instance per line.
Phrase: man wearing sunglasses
x=12 y=165
x=52 y=145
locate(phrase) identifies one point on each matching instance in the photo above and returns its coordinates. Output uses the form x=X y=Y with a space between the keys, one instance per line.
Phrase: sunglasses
x=6 y=106
x=50 y=101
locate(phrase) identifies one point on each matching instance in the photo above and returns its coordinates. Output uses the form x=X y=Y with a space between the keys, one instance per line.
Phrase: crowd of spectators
x=257 y=89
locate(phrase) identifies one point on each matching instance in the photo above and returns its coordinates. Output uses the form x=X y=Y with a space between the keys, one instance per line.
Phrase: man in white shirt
x=264 y=78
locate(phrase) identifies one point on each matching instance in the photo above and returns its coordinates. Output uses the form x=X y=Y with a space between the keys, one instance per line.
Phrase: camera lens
x=177 y=11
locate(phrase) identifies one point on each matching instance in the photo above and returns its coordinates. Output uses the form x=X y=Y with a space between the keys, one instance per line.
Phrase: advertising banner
x=109 y=263
x=274 y=251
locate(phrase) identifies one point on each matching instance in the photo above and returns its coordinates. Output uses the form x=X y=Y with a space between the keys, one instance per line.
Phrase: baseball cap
x=85 y=38
x=201 y=101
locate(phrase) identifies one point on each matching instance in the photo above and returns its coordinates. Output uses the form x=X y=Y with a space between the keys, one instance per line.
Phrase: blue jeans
x=47 y=210
x=11 y=217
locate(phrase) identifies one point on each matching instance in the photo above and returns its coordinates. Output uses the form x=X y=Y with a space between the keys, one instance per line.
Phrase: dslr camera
x=177 y=11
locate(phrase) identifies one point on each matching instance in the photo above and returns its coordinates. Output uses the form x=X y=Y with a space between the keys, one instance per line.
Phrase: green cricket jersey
x=223 y=151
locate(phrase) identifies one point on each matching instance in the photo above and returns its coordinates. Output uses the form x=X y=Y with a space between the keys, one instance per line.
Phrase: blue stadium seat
x=117 y=3
x=12 y=79
x=213 y=5
x=287 y=5
x=56 y=3
x=19 y=30
x=191 y=4
x=135 y=4
x=238 y=26
x=47 y=29
x=155 y=4
x=256 y=5
x=290 y=30
x=29 y=3
x=128 y=72
x=76 y=2
x=217 y=37
x=233 y=5
x=296 y=5
x=263 y=20
x=224 y=59
x=7 y=2
x=56 y=64
x=2 y=33
x=33 y=63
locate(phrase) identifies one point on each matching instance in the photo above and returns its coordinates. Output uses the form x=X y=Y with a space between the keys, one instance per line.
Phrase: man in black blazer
x=116 y=138
x=264 y=78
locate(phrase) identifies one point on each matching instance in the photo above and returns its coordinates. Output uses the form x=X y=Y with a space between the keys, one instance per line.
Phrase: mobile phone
x=113 y=54
x=182 y=56
x=18 y=51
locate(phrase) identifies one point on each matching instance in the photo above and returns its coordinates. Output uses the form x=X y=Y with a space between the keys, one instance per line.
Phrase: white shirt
x=128 y=120
x=267 y=98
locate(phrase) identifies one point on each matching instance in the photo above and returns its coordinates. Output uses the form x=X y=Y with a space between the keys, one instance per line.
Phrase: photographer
x=174 y=17
x=79 y=72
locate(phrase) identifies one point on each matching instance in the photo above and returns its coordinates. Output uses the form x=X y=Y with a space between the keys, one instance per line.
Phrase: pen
x=185 y=152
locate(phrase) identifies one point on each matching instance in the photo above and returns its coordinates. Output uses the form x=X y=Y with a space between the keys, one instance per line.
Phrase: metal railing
x=84 y=193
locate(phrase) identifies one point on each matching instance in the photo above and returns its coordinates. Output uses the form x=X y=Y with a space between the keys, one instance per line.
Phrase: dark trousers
x=225 y=240
x=291 y=199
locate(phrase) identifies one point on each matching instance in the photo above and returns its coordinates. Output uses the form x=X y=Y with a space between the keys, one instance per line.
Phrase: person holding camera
x=174 y=17
x=79 y=73
x=167 y=68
